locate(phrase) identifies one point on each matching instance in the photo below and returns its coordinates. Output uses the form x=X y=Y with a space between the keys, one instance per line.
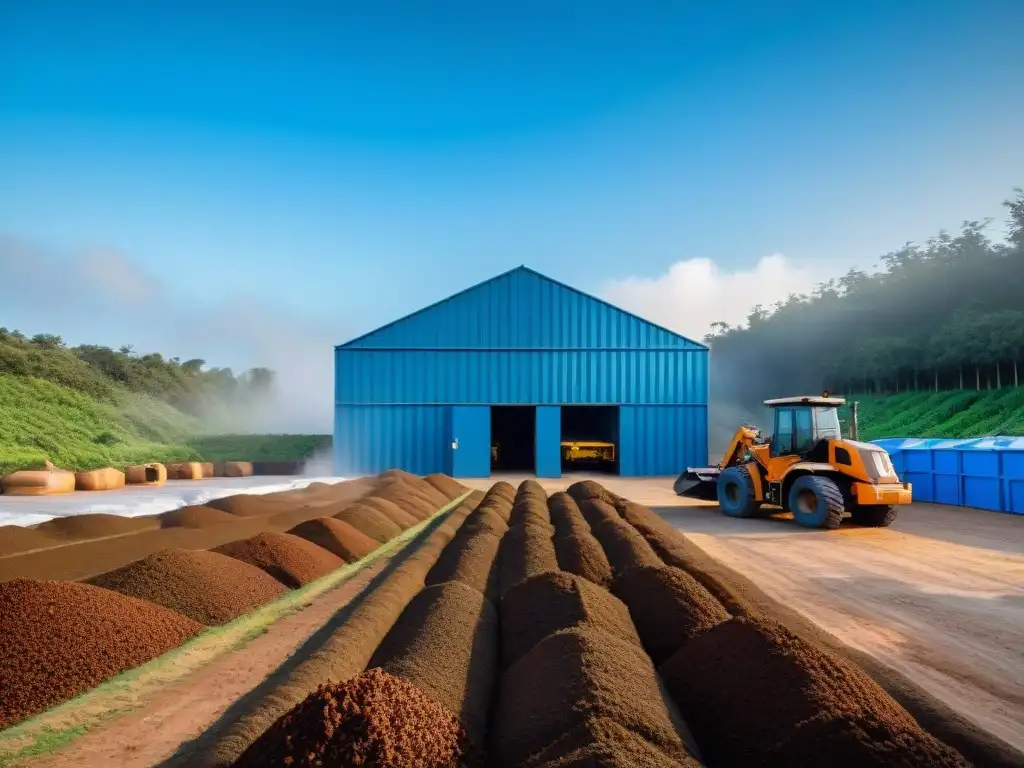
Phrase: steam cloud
x=100 y=297
x=695 y=293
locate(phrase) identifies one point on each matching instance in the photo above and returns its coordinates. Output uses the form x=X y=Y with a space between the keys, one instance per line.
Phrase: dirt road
x=939 y=596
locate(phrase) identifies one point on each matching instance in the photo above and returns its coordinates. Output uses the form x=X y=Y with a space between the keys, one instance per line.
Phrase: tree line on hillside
x=102 y=372
x=945 y=314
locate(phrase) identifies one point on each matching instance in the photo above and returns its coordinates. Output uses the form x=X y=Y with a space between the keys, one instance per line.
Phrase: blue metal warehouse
x=512 y=367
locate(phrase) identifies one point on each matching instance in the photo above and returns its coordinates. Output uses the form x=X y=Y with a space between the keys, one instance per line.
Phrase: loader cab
x=802 y=424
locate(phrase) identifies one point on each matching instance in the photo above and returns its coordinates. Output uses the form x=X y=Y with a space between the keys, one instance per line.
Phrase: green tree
x=935 y=310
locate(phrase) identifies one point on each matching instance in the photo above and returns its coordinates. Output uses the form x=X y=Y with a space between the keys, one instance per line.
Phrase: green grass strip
x=36 y=736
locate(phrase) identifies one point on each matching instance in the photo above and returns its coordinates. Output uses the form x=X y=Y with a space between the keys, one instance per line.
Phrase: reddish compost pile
x=370 y=521
x=525 y=551
x=373 y=719
x=195 y=516
x=208 y=587
x=448 y=486
x=504 y=629
x=61 y=638
x=624 y=546
x=589 y=489
x=566 y=516
x=292 y=560
x=485 y=521
x=336 y=536
x=391 y=511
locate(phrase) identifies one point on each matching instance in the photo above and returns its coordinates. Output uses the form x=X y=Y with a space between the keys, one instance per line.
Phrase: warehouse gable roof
x=521 y=309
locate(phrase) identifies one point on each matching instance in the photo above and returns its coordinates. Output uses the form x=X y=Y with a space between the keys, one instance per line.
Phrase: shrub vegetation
x=90 y=406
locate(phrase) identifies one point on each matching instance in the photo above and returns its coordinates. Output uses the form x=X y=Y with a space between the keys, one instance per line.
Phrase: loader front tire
x=873 y=516
x=816 y=502
x=736 y=493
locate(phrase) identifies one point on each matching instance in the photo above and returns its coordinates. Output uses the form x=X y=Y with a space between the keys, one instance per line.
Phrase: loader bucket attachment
x=698 y=483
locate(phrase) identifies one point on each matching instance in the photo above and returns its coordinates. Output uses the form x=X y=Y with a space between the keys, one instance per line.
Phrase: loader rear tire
x=873 y=516
x=816 y=502
x=736 y=493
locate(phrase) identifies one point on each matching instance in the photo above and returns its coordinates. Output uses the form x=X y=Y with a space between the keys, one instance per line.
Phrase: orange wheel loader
x=805 y=467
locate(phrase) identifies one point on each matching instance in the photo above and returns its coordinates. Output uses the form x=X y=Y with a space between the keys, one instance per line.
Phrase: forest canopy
x=944 y=314
x=102 y=373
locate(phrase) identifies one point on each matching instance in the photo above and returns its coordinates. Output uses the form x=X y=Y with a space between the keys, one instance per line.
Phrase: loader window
x=827 y=424
x=782 y=441
x=794 y=431
x=804 y=430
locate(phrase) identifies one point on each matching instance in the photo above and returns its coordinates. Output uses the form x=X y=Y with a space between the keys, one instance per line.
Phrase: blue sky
x=331 y=167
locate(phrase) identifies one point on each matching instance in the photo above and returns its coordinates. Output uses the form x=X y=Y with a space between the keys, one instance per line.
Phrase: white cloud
x=103 y=297
x=695 y=293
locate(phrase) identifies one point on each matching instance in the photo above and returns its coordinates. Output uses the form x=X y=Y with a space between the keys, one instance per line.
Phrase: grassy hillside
x=40 y=419
x=259 y=447
x=957 y=413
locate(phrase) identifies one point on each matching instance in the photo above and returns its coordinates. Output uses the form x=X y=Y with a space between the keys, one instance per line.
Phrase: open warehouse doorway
x=590 y=438
x=513 y=438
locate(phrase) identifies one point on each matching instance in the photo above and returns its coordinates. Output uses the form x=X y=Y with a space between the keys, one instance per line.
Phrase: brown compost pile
x=337 y=537
x=518 y=629
x=751 y=689
x=292 y=560
x=373 y=719
x=61 y=638
x=208 y=587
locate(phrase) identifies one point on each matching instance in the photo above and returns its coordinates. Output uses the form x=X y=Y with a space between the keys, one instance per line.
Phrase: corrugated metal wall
x=662 y=439
x=521 y=339
x=572 y=377
x=374 y=438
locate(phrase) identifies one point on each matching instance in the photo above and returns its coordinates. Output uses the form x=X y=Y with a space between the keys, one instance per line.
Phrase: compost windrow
x=61 y=638
x=337 y=537
x=373 y=719
x=205 y=586
x=292 y=560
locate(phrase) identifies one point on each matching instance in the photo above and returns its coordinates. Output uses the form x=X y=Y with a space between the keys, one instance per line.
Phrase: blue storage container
x=982 y=472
